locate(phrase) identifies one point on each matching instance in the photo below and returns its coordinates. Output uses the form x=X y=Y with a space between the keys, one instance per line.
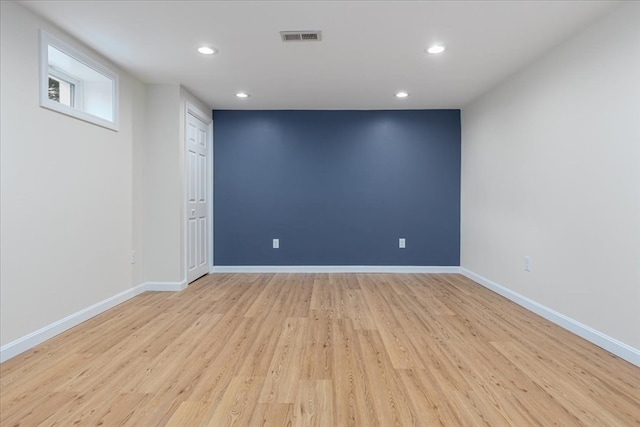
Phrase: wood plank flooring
x=328 y=350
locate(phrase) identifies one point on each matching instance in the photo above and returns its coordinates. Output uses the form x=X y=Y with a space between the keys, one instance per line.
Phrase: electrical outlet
x=276 y=243
x=134 y=257
x=402 y=243
x=527 y=263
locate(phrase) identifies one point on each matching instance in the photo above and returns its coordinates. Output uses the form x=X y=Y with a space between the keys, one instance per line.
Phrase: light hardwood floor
x=319 y=350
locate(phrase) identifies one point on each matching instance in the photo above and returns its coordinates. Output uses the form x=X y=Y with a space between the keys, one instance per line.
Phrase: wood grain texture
x=327 y=350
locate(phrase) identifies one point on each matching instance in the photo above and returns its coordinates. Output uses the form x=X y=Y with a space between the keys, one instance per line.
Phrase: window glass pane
x=54 y=89
x=61 y=91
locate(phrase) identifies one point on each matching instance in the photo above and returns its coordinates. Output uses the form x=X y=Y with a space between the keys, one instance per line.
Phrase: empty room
x=319 y=213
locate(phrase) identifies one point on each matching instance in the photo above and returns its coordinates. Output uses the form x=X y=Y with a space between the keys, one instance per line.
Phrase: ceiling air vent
x=301 y=36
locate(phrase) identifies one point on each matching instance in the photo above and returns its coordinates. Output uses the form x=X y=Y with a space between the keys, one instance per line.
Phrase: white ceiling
x=369 y=49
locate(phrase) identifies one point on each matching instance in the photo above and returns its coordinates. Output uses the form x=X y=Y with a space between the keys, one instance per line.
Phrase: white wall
x=162 y=199
x=164 y=177
x=67 y=215
x=551 y=169
x=139 y=184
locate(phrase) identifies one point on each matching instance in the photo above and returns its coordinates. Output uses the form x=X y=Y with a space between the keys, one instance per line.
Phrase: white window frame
x=47 y=40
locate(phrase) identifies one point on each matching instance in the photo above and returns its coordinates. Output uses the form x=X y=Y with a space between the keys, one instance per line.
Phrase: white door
x=197 y=147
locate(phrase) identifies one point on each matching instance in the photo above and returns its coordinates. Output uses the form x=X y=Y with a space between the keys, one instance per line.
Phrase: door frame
x=191 y=109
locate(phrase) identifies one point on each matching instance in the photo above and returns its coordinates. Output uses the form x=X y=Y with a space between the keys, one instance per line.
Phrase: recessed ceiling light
x=242 y=95
x=436 y=48
x=206 y=50
x=402 y=94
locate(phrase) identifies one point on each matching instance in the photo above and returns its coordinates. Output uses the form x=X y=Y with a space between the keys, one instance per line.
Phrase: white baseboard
x=620 y=349
x=31 y=340
x=331 y=269
x=165 y=286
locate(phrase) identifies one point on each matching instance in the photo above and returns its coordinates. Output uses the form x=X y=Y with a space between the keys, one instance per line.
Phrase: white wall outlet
x=402 y=243
x=276 y=243
x=134 y=257
x=527 y=263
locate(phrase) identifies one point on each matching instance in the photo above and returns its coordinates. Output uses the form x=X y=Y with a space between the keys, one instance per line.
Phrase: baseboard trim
x=620 y=349
x=332 y=269
x=31 y=340
x=608 y=343
x=165 y=286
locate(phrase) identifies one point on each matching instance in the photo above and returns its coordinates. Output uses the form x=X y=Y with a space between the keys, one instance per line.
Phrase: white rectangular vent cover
x=301 y=36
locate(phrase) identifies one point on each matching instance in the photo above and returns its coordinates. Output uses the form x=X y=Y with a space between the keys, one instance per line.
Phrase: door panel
x=202 y=172
x=198 y=238
x=192 y=239
x=192 y=175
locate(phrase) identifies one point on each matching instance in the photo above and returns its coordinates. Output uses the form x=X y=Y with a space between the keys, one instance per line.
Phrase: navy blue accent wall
x=337 y=187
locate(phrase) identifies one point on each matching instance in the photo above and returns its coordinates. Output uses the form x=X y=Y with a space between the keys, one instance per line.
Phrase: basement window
x=74 y=84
